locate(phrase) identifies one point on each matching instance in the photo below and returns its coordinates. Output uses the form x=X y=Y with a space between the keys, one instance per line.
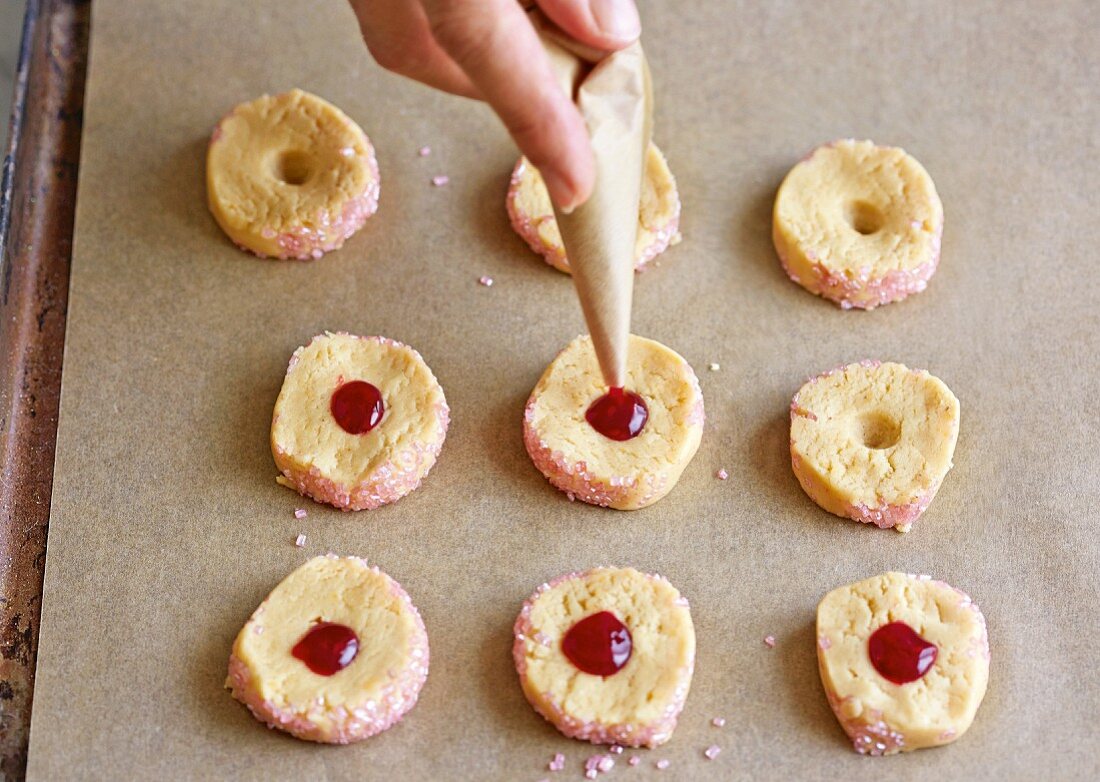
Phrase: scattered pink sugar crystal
x=424 y=151
x=712 y=751
x=439 y=181
x=300 y=540
x=634 y=760
x=661 y=764
x=615 y=749
x=606 y=763
x=300 y=513
x=722 y=474
x=718 y=722
x=769 y=641
x=486 y=281
x=557 y=763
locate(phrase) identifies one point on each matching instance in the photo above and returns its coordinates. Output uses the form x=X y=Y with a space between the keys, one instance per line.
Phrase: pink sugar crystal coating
x=624 y=735
x=528 y=228
x=321 y=722
x=394 y=477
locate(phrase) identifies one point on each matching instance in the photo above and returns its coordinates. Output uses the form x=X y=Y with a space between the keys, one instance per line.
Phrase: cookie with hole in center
x=335 y=654
x=904 y=661
x=619 y=448
x=532 y=215
x=290 y=176
x=873 y=441
x=858 y=224
x=359 y=421
x=607 y=656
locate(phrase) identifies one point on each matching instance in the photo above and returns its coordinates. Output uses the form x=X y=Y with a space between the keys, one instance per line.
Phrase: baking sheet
x=168 y=528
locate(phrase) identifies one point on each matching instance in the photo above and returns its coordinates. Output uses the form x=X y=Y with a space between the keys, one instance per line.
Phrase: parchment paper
x=168 y=528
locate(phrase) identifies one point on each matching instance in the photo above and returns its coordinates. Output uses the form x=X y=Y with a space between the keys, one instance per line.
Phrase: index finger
x=500 y=52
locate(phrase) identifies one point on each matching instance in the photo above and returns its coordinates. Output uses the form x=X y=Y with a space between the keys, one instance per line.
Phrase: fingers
x=493 y=42
x=607 y=25
x=398 y=36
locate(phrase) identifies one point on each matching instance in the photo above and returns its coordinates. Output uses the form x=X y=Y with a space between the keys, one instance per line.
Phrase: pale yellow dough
x=357 y=471
x=290 y=176
x=873 y=442
x=379 y=685
x=879 y=716
x=658 y=212
x=579 y=460
x=858 y=223
x=639 y=704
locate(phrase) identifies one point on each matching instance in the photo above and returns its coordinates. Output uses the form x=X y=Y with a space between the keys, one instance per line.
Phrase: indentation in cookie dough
x=865 y=218
x=878 y=430
x=294 y=167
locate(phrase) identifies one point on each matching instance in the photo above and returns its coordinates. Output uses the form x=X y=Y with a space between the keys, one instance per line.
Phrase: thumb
x=608 y=25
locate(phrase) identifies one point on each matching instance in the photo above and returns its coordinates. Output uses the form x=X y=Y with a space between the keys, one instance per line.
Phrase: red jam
x=599 y=644
x=327 y=648
x=899 y=654
x=618 y=414
x=357 y=406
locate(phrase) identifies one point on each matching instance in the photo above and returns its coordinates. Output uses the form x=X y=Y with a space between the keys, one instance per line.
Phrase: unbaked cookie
x=904 y=661
x=607 y=655
x=858 y=224
x=624 y=470
x=336 y=653
x=359 y=421
x=872 y=442
x=532 y=214
x=290 y=176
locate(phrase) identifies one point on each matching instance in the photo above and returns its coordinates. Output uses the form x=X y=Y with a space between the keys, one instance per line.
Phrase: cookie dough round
x=858 y=224
x=627 y=474
x=371 y=693
x=880 y=716
x=637 y=705
x=532 y=214
x=321 y=459
x=872 y=441
x=290 y=176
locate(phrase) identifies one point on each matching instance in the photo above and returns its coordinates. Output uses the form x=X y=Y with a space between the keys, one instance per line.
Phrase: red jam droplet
x=618 y=414
x=899 y=654
x=327 y=648
x=357 y=406
x=599 y=644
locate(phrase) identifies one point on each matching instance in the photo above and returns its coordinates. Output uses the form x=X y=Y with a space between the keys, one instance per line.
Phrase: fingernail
x=561 y=193
x=617 y=19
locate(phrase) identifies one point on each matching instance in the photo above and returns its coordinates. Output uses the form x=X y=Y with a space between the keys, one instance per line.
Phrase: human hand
x=489 y=50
